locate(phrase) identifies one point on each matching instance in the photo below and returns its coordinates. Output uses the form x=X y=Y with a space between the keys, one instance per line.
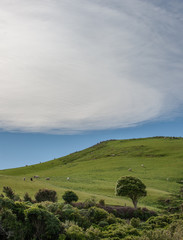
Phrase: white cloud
x=68 y=66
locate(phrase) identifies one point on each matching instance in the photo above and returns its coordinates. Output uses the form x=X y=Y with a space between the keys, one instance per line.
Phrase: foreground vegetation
x=39 y=219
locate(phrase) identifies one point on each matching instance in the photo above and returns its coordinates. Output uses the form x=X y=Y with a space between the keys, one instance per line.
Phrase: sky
x=74 y=73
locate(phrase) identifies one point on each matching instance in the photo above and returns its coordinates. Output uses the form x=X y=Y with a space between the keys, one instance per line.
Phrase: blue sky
x=74 y=73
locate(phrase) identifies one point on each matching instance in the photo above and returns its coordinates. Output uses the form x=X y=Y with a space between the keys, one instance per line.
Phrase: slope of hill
x=158 y=162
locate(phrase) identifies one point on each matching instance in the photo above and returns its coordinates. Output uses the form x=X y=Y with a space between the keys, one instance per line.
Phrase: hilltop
x=157 y=161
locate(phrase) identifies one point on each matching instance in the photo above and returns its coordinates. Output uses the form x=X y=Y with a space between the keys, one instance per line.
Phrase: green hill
x=93 y=172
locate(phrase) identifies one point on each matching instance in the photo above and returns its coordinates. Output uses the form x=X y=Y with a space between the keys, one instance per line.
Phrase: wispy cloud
x=68 y=66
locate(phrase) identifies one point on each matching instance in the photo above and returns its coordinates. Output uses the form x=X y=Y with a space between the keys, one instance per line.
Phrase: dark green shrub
x=135 y=222
x=62 y=237
x=9 y=192
x=66 y=212
x=75 y=232
x=93 y=233
x=18 y=209
x=129 y=212
x=46 y=195
x=103 y=224
x=6 y=203
x=10 y=225
x=120 y=231
x=114 y=231
x=159 y=221
x=42 y=224
x=158 y=234
x=97 y=214
x=84 y=212
x=27 y=198
x=111 y=219
x=91 y=202
x=130 y=238
x=102 y=202
x=172 y=231
x=53 y=207
x=70 y=196
x=81 y=221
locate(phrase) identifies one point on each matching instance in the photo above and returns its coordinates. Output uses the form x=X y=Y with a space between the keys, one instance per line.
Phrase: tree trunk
x=135 y=202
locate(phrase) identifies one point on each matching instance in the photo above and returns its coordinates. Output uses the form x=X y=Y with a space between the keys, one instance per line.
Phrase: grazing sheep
x=47 y=178
x=36 y=176
x=129 y=169
x=142 y=165
x=68 y=178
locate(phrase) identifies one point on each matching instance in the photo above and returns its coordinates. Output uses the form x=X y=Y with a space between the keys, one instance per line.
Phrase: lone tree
x=131 y=187
x=70 y=196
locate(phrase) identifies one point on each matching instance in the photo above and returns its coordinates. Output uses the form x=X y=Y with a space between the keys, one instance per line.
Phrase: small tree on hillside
x=70 y=196
x=46 y=195
x=131 y=187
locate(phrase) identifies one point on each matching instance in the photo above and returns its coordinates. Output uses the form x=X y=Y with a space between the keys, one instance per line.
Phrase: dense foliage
x=50 y=220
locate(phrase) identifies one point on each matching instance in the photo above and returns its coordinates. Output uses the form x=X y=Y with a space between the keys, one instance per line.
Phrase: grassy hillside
x=94 y=171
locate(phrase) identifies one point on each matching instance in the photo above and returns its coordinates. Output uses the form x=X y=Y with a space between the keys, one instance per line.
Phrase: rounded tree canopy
x=131 y=187
x=70 y=196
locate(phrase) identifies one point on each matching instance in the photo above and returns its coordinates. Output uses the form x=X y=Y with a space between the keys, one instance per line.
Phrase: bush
x=102 y=202
x=12 y=228
x=103 y=223
x=129 y=212
x=42 y=224
x=159 y=221
x=27 y=198
x=18 y=209
x=9 y=192
x=173 y=231
x=111 y=219
x=93 y=233
x=120 y=231
x=75 y=232
x=46 y=195
x=70 y=196
x=91 y=202
x=97 y=214
x=66 y=212
x=53 y=207
x=135 y=222
x=6 y=203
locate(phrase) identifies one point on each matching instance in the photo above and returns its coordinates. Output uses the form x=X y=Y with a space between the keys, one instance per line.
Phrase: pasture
x=93 y=172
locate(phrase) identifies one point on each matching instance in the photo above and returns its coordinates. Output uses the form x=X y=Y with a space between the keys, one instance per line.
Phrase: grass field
x=94 y=171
